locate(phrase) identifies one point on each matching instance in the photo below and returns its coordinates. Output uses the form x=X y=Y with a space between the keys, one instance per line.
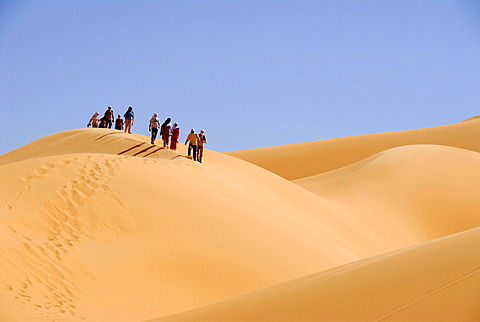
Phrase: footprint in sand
x=40 y=171
x=47 y=165
x=25 y=178
x=63 y=162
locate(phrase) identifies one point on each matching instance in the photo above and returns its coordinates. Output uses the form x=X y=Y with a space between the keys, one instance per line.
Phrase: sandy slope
x=92 y=232
x=301 y=160
x=99 y=225
x=435 y=281
x=428 y=189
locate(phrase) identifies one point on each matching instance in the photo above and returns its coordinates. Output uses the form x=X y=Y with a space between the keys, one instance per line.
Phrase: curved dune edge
x=296 y=161
x=91 y=141
x=430 y=189
x=438 y=280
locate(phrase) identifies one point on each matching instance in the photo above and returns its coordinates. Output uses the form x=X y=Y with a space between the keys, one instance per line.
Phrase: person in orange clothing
x=175 y=136
x=193 y=138
x=202 y=139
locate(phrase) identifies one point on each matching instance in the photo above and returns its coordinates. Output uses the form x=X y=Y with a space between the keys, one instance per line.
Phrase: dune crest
x=296 y=161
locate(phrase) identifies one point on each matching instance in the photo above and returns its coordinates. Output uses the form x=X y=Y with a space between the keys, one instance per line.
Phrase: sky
x=252 y=73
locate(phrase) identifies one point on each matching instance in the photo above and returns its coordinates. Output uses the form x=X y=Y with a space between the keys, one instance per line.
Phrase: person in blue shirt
x=129 y=116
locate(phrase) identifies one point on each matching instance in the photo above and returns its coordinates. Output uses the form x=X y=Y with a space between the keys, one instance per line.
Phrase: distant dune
x=100 y=225
x=428 y=190
x=296 y=161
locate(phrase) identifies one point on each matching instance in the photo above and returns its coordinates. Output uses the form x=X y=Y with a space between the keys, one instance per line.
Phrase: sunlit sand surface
x=100 y=225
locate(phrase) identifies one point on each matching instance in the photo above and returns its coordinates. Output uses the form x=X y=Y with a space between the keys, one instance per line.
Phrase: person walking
x=165 y=130
x=202 y=139
x=109 y=117
x=119 y=123
x=153 y=126
x=93 y=122
x=175 y=135
x=129 y=117
x=193 y=138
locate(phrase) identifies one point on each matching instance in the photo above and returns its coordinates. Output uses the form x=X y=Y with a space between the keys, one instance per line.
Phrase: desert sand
x=100 y=225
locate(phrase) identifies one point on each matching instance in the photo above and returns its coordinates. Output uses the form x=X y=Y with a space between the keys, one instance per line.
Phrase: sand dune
x=427 y=189
x=435 y=281
x=99 y=225
x=138 y=231
x=302 y=160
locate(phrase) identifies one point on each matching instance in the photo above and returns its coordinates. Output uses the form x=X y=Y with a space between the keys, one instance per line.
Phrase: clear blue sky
x=251 y=73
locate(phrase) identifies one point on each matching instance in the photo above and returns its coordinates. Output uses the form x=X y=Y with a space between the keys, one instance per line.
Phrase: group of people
x=108 y=119
x=169 y=133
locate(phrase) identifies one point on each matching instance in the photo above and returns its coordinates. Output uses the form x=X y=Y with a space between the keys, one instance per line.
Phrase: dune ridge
x=100 y=225
x=300 y=160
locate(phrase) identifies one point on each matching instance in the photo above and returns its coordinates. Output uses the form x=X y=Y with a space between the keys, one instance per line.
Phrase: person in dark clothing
x=119 y=123
x=109 y=117
x=165 y=131
x=103 y=123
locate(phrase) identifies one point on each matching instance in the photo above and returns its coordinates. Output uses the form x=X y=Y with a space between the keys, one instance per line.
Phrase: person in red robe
x=175 y=136
x=165 y=130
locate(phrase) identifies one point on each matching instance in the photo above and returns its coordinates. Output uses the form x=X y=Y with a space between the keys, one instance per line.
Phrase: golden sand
x=100 y=225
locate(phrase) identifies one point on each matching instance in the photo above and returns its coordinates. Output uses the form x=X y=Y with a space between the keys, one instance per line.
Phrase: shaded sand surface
x=306 y=159
x=99 y=225
x=434 y=281
x=430 y=189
